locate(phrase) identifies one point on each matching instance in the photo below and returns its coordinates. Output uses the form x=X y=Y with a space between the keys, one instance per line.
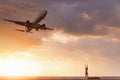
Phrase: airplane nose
x=45 y=12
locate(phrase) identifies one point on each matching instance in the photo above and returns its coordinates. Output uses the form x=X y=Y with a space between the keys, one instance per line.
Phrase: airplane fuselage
x=32 y=25
x=36 y=27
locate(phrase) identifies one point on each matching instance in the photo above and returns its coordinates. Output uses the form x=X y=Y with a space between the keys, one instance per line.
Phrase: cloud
x=12 y=40
x=74 y=17
x=72 y=23
x=76 y=53
x=86 y=32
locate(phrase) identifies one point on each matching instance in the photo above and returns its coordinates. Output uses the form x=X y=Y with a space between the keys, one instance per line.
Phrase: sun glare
x=15 y=66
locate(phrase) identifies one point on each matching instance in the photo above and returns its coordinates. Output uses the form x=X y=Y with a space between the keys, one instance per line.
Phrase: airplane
x=32 y=25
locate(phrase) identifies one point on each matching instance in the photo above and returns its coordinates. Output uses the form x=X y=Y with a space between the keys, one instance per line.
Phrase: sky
x=86 y=32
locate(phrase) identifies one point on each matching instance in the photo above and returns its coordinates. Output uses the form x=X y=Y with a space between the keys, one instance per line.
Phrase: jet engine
x=27 y=23
x=43 y=26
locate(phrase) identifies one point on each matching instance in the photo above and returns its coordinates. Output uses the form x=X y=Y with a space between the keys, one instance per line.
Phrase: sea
x=61 y=78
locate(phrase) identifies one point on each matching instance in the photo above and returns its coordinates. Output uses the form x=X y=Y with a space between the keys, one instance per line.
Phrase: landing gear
x=27 y=26
x=37 y=29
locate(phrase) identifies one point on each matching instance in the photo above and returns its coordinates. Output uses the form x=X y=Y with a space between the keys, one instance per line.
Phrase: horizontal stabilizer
x=49 y=28
x=20 y=30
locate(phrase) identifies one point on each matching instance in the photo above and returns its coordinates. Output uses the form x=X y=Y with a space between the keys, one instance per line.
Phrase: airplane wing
x=16 y=22
x=42 y=15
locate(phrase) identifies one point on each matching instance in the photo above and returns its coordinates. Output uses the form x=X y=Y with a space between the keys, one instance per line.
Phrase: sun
x=17 y=66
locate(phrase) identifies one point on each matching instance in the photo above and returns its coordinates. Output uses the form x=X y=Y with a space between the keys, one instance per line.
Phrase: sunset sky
x=86 y=32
